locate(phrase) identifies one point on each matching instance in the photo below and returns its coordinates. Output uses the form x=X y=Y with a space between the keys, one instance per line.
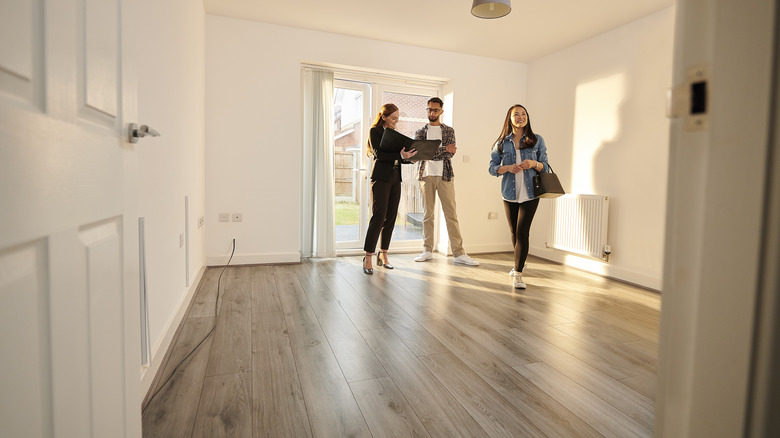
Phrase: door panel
x=18 y=48
x=100 y=49
x=24 y=323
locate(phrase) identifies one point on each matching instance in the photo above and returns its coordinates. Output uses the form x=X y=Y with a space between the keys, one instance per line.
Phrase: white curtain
x=319 y=219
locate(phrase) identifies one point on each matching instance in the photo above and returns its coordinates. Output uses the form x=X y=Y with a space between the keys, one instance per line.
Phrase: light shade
x=490 y=8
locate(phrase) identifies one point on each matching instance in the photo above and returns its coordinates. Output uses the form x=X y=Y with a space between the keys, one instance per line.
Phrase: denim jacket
x=537 y=153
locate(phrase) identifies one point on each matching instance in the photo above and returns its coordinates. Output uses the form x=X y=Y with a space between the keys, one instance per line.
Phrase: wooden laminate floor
x=425 y=350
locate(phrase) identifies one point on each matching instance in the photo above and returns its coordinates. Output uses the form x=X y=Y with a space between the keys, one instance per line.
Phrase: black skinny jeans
x=385 y=197
x=519 y=216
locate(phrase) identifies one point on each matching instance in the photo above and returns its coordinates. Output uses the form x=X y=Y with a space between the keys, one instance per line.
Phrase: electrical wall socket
x=492 y=215
x=224 y=217
x=236 y=217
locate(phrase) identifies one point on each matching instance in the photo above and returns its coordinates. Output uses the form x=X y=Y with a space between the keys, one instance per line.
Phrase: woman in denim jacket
x=518 y=155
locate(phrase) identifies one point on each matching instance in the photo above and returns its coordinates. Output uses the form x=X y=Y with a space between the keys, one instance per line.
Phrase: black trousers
x=385 y=197
x=519 y=216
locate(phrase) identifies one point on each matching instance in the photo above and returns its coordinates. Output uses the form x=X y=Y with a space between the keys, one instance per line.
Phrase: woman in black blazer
x=385 y=187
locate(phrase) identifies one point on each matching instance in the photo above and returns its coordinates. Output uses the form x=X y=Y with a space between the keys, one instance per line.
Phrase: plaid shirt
x=447 y=137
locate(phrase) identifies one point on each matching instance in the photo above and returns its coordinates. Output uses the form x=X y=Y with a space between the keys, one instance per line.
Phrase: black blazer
x=384 y=159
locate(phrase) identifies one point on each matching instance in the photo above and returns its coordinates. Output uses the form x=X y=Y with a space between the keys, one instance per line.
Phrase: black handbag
x=547 y=185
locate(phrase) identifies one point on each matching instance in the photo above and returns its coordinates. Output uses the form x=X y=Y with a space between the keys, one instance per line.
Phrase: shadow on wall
x=614 y=137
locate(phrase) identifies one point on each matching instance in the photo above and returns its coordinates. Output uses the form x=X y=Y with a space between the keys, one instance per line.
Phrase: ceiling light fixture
x=490 y=8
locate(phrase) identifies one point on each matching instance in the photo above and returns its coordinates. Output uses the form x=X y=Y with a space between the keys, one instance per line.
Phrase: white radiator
x=578 y=224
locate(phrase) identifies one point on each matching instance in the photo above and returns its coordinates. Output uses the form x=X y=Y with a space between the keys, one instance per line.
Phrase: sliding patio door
x=411 y=103
x=356 y=103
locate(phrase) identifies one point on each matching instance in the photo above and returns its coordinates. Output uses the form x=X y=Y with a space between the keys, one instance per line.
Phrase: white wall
x=253 y=130
x=171 y=100
x=600 y=105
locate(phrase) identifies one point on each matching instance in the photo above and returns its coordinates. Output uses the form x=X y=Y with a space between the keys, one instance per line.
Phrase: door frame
x=713 y=259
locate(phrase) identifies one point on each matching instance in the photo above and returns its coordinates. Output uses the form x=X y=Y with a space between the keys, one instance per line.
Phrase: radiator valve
x=607 y=252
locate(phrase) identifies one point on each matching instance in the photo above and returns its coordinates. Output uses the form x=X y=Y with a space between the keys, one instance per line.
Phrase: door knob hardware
x=137 y=132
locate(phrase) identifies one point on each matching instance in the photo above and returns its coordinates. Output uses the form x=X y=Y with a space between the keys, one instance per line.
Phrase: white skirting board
x=599 y=268
x=254 y=259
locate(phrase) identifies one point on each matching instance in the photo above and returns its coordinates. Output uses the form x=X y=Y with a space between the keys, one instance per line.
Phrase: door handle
x=136 y=132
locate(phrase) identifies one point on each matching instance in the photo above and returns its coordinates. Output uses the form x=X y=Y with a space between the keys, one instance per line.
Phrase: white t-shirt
x=520 y=189
x=434 y=167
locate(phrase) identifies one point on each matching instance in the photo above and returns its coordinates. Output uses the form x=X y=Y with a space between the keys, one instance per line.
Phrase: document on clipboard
x=394 y=140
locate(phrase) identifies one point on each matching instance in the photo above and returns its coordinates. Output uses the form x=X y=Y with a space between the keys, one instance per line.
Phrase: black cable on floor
x=216 y=314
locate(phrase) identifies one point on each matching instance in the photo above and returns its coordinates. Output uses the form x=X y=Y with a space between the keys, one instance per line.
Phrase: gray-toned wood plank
x=643 y=384
x=298 y=314
x=357 y=361
x=231 y=351
x=494 y=413
x=193 y=331
x=605 y=418
x=360 y=313
x=635 y=405
x=332 y=409
x=548 y=415
x=646 y=331
x=225 y=407
x=406 y=327
x=278 y=406
x=611 y=359
x=265 y=294
x=438 y=410
x=206 y=294
x=492 y=340
x=385 y=409
x=171 y=412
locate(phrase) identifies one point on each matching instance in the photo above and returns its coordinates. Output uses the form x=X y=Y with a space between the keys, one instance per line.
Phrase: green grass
x=347 y=213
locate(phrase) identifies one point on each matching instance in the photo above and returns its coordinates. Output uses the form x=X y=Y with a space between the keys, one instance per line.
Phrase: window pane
x=347 y=129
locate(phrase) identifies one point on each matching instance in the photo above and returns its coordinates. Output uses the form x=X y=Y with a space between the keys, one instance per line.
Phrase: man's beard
x=432 y=118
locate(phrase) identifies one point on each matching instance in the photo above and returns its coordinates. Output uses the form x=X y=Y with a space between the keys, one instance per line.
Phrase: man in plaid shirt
x=436 y=176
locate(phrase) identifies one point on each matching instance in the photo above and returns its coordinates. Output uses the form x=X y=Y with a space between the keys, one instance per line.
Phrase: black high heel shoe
x=368 y=271
x=380 y=262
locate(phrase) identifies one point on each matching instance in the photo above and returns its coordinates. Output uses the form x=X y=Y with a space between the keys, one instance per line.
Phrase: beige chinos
x=429 y=185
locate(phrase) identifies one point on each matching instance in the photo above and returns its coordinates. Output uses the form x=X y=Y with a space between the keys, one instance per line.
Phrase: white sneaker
x=464 y=259
x=517 y=280
x=424 y=257
x=512 y=272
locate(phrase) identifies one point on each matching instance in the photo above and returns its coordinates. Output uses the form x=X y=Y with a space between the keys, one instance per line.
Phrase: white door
x=69 y=329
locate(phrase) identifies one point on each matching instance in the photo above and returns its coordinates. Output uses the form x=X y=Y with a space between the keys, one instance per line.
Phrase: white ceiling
x=533 y=29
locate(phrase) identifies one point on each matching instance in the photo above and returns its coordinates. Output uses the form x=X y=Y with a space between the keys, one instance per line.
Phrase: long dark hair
x=506 y=129
x=386 y=110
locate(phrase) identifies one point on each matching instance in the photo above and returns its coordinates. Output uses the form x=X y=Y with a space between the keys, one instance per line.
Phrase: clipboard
x=426 y=149
x=393 y=140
